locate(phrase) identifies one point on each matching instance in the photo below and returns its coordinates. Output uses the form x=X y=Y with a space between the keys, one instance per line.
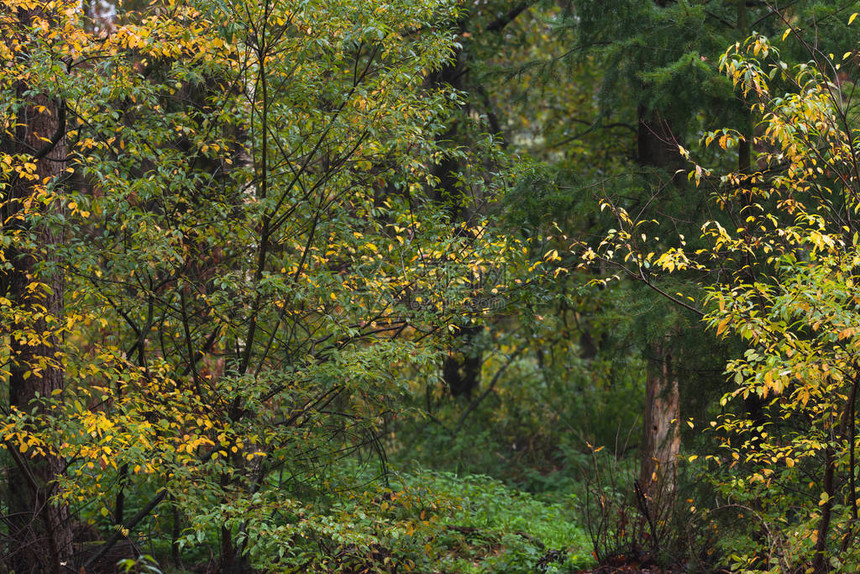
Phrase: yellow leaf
x=851 y=18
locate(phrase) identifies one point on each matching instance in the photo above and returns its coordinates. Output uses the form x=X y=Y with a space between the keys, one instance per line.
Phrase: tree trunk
x=40 y=536
x=461 y=369
x=661 y=439
x=655 y=143
x=820 y=564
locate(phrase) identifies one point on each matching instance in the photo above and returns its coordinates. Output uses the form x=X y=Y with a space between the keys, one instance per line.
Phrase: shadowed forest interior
x=431 y=286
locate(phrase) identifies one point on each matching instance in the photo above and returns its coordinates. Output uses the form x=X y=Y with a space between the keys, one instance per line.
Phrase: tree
x=781 y=258
x=657 y=56
x=33 y=149
x=794 y=306
x=661 y=60
x=251 y=269
x=656 y=217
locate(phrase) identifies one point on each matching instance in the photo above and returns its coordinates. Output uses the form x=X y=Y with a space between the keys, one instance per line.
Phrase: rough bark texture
x=40 y=535
x=661 y=439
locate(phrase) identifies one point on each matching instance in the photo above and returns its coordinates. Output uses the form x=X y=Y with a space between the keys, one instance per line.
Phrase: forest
x=430 y=286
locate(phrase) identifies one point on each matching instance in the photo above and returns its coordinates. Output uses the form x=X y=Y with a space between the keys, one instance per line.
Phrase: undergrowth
x=493 y=528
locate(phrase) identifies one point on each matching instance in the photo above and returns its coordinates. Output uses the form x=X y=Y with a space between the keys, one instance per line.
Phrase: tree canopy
x=356 y=287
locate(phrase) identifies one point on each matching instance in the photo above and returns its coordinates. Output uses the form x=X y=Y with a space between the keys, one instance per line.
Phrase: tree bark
x=655 y=143
x=461 y=369
x=40 y=536
x=661 y=439
x=820 y=564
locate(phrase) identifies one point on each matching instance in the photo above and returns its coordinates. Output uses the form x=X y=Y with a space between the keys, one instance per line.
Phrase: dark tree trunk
x=820 y=564
x=40 y=536
x=655 y=144
x=461 y=369
x=661 y=437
